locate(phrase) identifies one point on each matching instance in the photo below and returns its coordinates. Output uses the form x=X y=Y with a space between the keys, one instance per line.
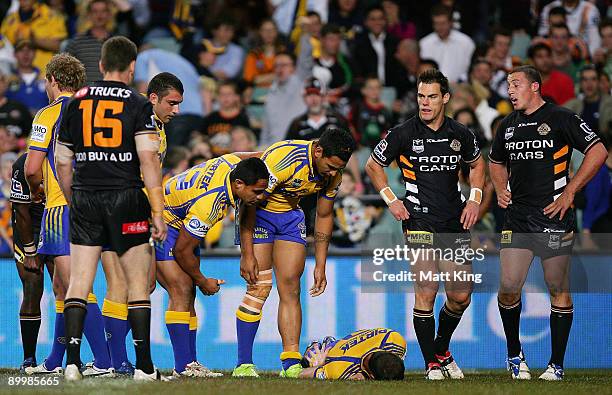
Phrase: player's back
x=293 y=175
x=345 y=357
x=42 y=138
x=206 y=180
x=99 y=126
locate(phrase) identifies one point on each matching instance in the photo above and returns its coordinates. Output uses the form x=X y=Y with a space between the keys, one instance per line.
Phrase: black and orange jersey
x=430 y=165
x=99 y=126
x=537 y=149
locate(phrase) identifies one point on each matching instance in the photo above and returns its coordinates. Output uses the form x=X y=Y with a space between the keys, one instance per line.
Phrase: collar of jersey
x=228 y=189
x=62 y=95
x=311 y=170
x=430 y=129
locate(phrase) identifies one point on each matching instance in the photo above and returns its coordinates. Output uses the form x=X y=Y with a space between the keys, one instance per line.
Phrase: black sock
x=74 y=319
x=560 y=325
x=29 y=324
x=511 y=318
x=139 y=315
x=447 y=323
x=425 y=327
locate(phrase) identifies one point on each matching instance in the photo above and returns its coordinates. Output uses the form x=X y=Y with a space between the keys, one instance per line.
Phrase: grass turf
x=482 y=382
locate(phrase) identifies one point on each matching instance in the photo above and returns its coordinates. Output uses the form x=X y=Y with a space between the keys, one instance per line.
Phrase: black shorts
x=118 y=219
x=424 y=233
x=528 y=228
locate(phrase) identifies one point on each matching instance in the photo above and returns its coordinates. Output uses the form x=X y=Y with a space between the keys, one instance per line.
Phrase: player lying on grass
x=369 y=354
x=195 y=201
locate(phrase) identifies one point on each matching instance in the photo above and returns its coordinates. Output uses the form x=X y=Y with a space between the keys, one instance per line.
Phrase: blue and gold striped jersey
x=42 y=138
x=200 y=197
x=345 y=358
x=292 y=175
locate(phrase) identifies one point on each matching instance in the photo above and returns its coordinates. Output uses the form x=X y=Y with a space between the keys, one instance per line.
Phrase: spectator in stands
x=407 y=54
x=397 y=25
x=284 y=101
x=594 y=107
x=259 y=63
x=427 y=64
x=604 y=84
x=87 y=46
x=199 y=145
x=467 y=117
x=27 y=85
x=447 y=46
x=353 y=219
x=13 y=115
x=317 y=117
x=7 y=54
x=229 y=62
x=218 y=124
x=309 y=30
x=8 y=142
x=501 y=60
x=582 y=19
x=176 y=162
x=369 y=117
x=243 y=140
x=37 y=22
x=603 y=55
x=374 y=51
x=597 y=211
x=348 y=15
x=556 y=85
x=568 y=53
x=331 y=67
x=479 y=77
x=464 y=95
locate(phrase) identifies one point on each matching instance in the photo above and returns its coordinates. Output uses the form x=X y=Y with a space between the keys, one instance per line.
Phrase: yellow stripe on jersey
x=345 y=358
x=163 y=142
x=42 y=138
x=200 y=197
x=292 y=176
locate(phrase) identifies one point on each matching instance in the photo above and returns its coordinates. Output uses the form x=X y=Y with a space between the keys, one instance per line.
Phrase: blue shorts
x=288 y=226
x=164 y=251
x=55 y=232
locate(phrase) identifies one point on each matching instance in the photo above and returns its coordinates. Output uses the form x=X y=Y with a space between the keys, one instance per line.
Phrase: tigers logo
x=455 y=145
x=543 y=129
x=418 y=146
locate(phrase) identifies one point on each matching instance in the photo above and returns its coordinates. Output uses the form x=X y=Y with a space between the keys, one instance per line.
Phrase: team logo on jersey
x=509 y=133
x=455 y=145
x=543 y=129
x=296 y=183
x=418 y=146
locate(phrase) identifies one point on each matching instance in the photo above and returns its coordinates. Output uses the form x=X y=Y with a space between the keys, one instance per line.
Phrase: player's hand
x=39 y=195
x=159 y=229
x=561 y=205
x=32 y=263
x=249 y=269
x=469 y=216
x=399 y=211
x=210 y=286
x=504 y=198
x=320 y=282
x=315 y=355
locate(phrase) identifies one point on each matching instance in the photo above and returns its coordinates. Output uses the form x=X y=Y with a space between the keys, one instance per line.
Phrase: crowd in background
x=259 y=71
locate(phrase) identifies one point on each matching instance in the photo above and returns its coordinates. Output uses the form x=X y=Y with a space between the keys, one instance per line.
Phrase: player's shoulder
x=456 y=127
x=282 y=149
x=408 y=126
x=48 y=112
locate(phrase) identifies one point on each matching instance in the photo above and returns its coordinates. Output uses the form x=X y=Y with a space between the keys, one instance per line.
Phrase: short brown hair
x=68 y=71
x=117 y=54
x=434 y=76
x=531 y=73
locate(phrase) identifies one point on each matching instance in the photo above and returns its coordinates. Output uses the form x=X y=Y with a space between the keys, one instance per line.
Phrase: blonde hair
x=68 y=71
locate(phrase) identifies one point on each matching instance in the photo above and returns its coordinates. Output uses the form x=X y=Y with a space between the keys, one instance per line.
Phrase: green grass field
x=483 y=382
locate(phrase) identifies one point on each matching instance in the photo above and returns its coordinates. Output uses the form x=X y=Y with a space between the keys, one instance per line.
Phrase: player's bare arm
x=378 y=177
x=63 y=160
x=186 y=259
x=324 y=224
x=499 y=178
x=23 y=224
x=469 y=216
x=248 y=263
x=593 y=160
x=33 y=169
x=148 y=149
